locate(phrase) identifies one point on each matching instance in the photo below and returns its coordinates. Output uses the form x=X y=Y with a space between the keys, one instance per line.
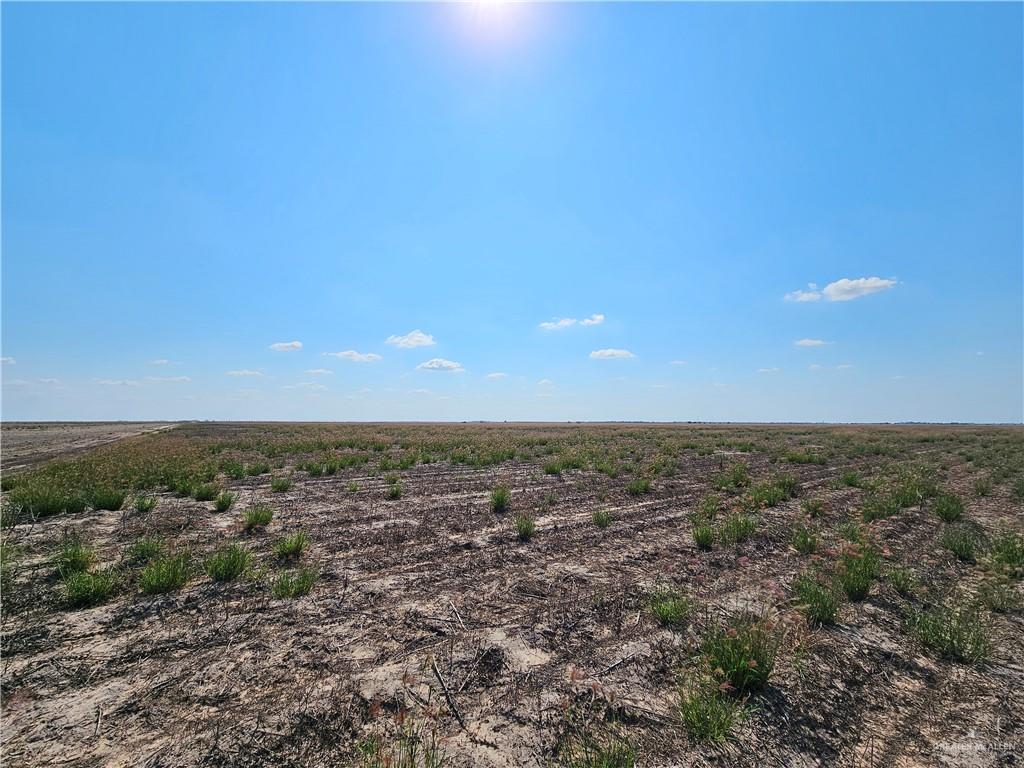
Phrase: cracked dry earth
x=429 y=609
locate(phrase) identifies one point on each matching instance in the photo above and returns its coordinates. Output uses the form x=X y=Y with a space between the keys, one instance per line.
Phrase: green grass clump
x=857 y=571
x=708 y=506
x=948 y=507
x=957 y=632
x=204 y=492
x=706 y=713
x=998 y=595
x=736 y=528
x=144 y=504
x=735 y=477
x=394 y=491
x=851 y=479
x=41 y=500
x=669 y=606
x=500 y=499
x=983 y=486
x=852 y=532
x=280 y=484
x=552 y=468
x=819 y=601
x=742 y=653
x=144 y=550
x=525 y=526
x=224 y=501
x=813 y=508
x=166 y=573
x=903 y=581
x=638 y=486
x=228 y=563
x=805 y=540
x=292 y=547
x=352 y=487
x=963 y=541
x=588 y=752
x=257 y=516
x=1017 y=490
x=1006 y=553
x=83 y=589
x=257 y=468
x=74 y=556
x=106 y=498
x=602 y=518
x=290 y=584
x=703 y=535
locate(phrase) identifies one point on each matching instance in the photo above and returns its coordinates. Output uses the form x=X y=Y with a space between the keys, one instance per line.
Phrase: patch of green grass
x=857 y=571
x=998 y=595
x=851 y=479
x=257 y=516
x=144 y=549
x=805 y=457
x=289 y=584
x=292 y=547
x=166 y=573
x=204 y=492
x=525 y=526
x=706 y=713
x=280 y=484
x=106 y=498
x=813 y=508
x=735 y=477
x=41 y=500
x=669 y=606
x=708 y=506
x=742 y=653
x=588 y=752
x=1006 y=553
x=83 y=589
x=353 y=487
x=394 y=491
x=74 y=556
x=638 y=486
x=257 y=468
x=963 y=541
x=703 y=535
x=736 y=528
x=851 y=532
x=500 y=498
x=956 y=632
x=144 y=504
x=818 y=600
x=903 y=581
x=1017 y=490
x=224 y=501
x=948 y=507
x=228 y=563
x=805 y=540
x=602 y=518
x=983 y=486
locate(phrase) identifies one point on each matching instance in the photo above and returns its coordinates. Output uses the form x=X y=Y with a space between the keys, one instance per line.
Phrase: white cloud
x=170 y=379
x=561 y=323
x=416 y=338
x=245 y=372
x=768 y=370
x=286 y=346
x=678 y=362
x=545 y=383
x=659 y=386
x=811 y=294
x=847 y=289
x=611 y=354
x=419 y=392
x=844 y=366
x=899 y=377
x=117 y=382
x=496 y=375
x=7 y=360
x=49 y=381
x=811 y=343
x=440 y=364
x=319 y=372
x=313 y=385
x=355 y=357
x=160 y=361
x=814 y=367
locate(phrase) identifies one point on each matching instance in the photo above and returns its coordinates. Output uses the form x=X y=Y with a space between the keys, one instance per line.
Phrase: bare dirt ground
x=25 y=443
x=428 y=610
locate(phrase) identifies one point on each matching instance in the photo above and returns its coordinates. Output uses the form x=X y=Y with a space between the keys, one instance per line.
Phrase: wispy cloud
x=170 y=379
x=286 y=346
x=561 y=323
x=319 y=372
x=611 y=354
x=311 y=385
x=545 y=383
x=160 y=361
x=355 y=357
x=677 y=362
x=810 y=343
x=768 y=370
x=245 y=372
x=49 y=381
x=117 y=382
x=412 y=339
x=844 y=289
x=496 y=375
x=844 y=366
x=440 y=364
x=7 y=360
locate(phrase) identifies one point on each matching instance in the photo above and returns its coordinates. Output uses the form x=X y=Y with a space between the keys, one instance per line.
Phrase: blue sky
x=699 y=187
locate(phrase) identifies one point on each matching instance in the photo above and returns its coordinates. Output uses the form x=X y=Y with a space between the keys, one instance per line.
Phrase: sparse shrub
x=813 y=508
x=106 y=498
x=144 y=504
x=736 y=528
x=499 y=499
x=292 y=547
x=290 y=584
x=224 y=501
x=74 y=556
x=144 y=549
x=706 y=713
x=526 y=526
x=602 y=518
x=858 y=569
x=957 y=632
x=204 y=492
x=903 y=581
x=394 y=491
x=983 y=486
x=82 y=589
x=963 y=541
x=280 y=484
x=703 y=535
x=228 y=563
x=948 y=507
x=166 y=573
x=998 y=595
x=638 y=486
x=819 y=601
x=669 y=606
x=742 y=652
x=805 y=541
x=257 y=516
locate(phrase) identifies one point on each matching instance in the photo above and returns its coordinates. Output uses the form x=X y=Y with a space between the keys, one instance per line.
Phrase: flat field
x=506 y=595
